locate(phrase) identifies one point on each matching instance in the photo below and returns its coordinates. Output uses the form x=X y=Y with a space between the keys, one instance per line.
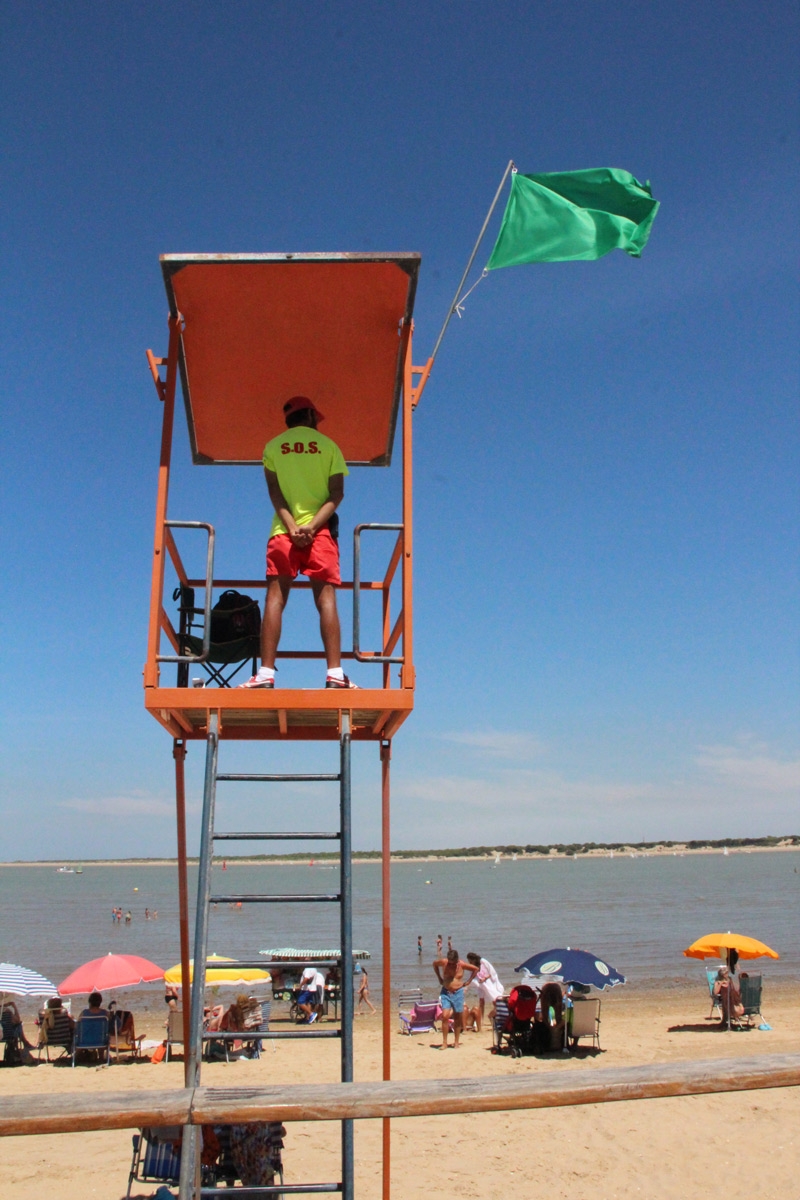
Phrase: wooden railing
x=78 y=1112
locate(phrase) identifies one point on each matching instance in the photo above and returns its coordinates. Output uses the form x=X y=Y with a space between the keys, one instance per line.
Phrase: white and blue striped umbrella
x=20 y=981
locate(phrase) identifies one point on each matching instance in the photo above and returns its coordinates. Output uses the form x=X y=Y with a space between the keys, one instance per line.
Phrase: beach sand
x=741 y=1144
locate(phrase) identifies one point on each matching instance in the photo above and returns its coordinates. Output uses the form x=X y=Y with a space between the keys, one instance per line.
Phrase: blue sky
x=606 y=454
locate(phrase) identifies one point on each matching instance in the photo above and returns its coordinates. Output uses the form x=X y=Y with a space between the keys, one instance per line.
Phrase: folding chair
x=405 y=1003
x=711 y=976
x=12 y=1053
x=154 y=1159
x=221 y=655
x=174 y=1030
x=91 y=1033
x=256 y=1019
x=124 y=1041
x=750 y=990
x=58 y=1036
x=421 y=1019
x=583 y=1020
x=501 y=1025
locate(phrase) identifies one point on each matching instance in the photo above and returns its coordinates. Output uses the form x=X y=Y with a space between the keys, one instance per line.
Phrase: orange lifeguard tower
x=247 y=331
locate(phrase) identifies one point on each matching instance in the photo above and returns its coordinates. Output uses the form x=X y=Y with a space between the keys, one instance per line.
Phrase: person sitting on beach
x=726 y=988
x=56 y=1026
x=95 y=1008
x=120 y=1022
x=450 y=972
x=12 y=1033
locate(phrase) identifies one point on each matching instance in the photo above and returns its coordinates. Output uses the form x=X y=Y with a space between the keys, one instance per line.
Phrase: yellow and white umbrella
x=219 y=975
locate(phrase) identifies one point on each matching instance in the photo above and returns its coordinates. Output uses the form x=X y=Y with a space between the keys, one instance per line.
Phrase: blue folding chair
x=91 y=1033
x=154 y=1161
x=711 y=976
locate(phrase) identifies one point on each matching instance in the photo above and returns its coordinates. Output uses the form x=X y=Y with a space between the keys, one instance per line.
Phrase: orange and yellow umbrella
x=719 y=945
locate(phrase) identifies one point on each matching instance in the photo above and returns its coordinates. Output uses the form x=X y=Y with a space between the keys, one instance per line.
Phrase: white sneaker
x=258 y=681
x=339 y=683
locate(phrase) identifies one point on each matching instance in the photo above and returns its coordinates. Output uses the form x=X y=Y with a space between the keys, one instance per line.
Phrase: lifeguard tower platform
x=246 y=332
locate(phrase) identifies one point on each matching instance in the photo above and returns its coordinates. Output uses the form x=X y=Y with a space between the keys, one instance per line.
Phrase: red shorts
x=318 y=561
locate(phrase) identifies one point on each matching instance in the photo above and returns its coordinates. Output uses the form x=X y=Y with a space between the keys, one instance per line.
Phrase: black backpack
x=234 y=616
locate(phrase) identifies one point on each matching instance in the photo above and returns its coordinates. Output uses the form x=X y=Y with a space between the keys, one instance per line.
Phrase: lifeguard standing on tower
x=305 y=476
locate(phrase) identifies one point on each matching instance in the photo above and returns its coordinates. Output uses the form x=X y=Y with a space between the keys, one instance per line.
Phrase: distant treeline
x=570 y=849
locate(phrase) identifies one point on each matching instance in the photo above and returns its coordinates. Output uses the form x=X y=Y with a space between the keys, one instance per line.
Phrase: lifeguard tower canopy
x=248 y=332
x=259 y=328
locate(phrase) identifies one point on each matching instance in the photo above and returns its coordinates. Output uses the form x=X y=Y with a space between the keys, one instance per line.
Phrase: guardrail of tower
x=391 y=634
x=390 y=638
x=206 y=583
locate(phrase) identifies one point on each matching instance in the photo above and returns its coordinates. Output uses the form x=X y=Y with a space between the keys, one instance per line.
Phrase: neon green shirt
x=304 y=460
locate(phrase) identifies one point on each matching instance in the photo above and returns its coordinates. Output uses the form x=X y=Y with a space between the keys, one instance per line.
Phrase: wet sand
x=740 y=1144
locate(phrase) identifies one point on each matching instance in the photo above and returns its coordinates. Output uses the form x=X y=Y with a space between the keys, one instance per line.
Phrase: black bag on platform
x=234 y=616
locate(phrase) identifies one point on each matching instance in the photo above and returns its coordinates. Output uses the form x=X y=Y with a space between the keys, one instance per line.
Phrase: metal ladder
x=190 y=1188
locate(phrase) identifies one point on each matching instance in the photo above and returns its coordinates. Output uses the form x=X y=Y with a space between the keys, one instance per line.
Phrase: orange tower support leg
x=386 y=904
x=179 y=754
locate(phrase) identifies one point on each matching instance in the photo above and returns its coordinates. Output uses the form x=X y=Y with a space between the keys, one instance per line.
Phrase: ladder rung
x=278 y=778
x=291 y=899
x=278 y=1189
x=272 y=964
x=276 y=837
x=255 y=1035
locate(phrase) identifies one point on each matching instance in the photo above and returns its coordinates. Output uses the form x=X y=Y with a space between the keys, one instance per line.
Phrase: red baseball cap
x=300 y=404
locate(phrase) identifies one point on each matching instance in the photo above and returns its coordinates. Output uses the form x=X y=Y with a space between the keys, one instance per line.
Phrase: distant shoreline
x=637 y=850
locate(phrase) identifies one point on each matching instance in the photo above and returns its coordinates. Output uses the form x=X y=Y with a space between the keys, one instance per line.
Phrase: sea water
x=639 y=913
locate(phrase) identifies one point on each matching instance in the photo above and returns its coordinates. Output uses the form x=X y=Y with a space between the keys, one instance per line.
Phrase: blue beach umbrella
x=573 y=966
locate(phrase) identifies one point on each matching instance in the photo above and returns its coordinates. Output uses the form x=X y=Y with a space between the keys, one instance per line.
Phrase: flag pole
x=452 y=307
x=425 y=371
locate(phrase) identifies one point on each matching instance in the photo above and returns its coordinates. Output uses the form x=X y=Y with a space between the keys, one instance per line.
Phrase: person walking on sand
x=305 y=473
x=363 y=992
x=488 y=985
x=450 y=972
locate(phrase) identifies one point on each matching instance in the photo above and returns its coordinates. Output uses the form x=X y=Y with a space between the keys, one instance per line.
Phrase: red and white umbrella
x=111 y=971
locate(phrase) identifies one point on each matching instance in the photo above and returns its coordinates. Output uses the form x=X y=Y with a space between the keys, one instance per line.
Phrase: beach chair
x=222 y=655
x=501 y=1025
x=12 y=1042
x=750 y=989
x=421 y=1019
x=583 y=1020
x=154 y=1159
x=174 y=1030
x=405 y=1002
x=256 y=1019
x=123 y=1041
x=711 y=976
x=58 y=1037
x=91 y=1034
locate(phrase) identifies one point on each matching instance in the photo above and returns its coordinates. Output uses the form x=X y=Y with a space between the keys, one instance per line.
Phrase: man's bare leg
x=447 y=1013
x=278 y=589
x=458 y=1021
x=325 y=600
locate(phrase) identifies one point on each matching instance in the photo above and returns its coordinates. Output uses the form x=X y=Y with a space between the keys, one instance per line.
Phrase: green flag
x=574 y=215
